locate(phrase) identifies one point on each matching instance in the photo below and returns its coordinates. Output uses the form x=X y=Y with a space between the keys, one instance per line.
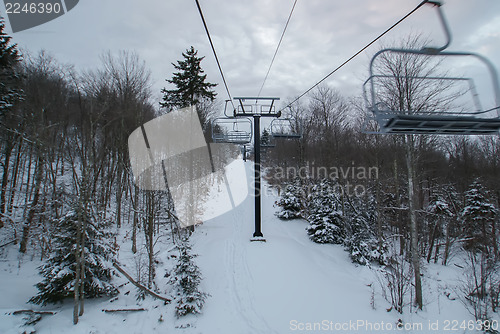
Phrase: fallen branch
x=10 y=242
x=125 y=310
x=32 y=312
x=140 y=286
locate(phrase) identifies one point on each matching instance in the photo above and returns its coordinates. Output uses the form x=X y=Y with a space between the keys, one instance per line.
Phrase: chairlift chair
x=474 y=120
x=286 y=128
x=232 y=130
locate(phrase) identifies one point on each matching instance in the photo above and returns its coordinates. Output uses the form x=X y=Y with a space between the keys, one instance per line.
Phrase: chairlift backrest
x=232 y=130
x=286 y=128
x=465 y=116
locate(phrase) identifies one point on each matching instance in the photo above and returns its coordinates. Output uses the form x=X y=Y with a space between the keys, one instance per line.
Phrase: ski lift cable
x=361 y=51
x=215 y=53
x=277 y=48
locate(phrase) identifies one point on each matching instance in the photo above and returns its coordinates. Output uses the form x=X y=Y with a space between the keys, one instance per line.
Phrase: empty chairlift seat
x=286 y=128
x=232 y=130
x=431 y=100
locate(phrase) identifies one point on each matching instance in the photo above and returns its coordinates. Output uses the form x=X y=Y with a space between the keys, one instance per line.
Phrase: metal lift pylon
x=256 y=111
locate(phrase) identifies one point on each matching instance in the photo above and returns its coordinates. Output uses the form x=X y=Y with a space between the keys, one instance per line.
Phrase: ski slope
x=262 y=287
x=287 y=284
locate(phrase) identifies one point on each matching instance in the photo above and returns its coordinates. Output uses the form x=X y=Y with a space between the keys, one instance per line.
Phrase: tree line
x=66 y=185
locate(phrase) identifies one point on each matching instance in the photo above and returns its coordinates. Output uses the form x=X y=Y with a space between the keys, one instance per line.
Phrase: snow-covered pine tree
x=187 y=278
x=439 y=215
x=59 y=269
x=362 y=242
x=479 y=216
x=10 y=93
x=326 y=223
x=10 y=90
x=291 y=202
x=265 y=138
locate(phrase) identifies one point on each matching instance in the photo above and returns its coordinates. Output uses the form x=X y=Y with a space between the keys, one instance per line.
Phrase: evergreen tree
x=362 y=244
x=440 y=215
x=10 y=90
x=191 y=86
x=187 y=278
x=326 y=223
x=479 y=216
x=59 y=271
x=291 y=202
x=265 y=138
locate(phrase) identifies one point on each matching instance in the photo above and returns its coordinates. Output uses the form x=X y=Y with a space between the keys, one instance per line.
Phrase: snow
x=287 y=284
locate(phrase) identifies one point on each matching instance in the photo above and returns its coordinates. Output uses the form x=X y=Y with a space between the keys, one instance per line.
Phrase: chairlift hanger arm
x=445 y=26
x=225 y=108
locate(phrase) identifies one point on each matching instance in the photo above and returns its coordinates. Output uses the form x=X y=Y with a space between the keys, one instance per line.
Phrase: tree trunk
x=447 y=244
x=494 y=238
x=413 y=221
x=76 y=285
x=148 y=233
x=400 y=223
x=432 y=241
x=12 y=193
x=82 y=263
x=34 y=203
x=135 y=206
x=379 y=215
x=9 y=146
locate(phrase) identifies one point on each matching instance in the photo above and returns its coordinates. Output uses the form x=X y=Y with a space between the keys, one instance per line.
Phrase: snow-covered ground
x=287 y=284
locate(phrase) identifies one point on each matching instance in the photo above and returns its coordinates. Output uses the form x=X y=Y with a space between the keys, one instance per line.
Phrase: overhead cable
x=215 y=53
x=358 y=53
x=277 y=48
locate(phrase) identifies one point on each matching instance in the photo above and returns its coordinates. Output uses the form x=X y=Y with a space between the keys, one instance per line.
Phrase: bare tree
x=118 y=95
x=328 y=113
x=46 y=88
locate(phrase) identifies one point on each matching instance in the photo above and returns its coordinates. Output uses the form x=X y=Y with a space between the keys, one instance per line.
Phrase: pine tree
x=440 y=215
x=478 y=216
x=291 y=202
x=265 y=138
x=191 y=86
x=59 y=271
x=362 y=243
x=10 y=90
x=326 y=223
x=187 y=278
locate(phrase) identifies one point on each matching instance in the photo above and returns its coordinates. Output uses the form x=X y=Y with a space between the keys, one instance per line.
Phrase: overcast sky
x=321 y=35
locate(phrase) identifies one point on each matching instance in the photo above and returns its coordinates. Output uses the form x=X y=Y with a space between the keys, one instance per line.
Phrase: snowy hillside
x=285 y=285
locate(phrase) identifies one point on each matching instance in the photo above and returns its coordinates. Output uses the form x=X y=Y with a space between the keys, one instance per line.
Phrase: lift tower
x=257 y=107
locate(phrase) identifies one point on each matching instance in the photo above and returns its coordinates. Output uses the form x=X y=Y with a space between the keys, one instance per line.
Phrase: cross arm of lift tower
x=259 y=107
x=256 y=109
